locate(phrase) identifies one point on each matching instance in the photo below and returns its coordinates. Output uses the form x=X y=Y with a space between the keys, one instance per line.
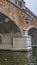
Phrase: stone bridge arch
x=32 y=31
x=7 y=25
x=20 y=20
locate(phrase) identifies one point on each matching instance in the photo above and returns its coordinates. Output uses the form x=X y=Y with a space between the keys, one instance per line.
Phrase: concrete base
x=29 y=48
x=22 y=43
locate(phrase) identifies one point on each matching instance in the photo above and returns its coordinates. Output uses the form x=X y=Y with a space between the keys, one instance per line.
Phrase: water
x=18 y=58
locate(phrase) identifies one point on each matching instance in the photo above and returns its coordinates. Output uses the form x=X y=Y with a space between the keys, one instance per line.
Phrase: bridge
x=18 y=26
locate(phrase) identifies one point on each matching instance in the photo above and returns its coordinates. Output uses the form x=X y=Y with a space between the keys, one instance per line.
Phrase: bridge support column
x=27 y=40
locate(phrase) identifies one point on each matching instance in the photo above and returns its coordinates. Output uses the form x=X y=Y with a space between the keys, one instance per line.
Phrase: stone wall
x=6 y=42
x=22 y=43
x=15 y=43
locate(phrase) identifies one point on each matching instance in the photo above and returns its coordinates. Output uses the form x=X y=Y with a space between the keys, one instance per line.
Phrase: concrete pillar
x=26 y=33
x=27 y=40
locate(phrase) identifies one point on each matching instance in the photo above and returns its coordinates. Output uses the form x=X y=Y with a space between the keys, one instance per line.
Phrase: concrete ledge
x=29 y=48
x=18 y=50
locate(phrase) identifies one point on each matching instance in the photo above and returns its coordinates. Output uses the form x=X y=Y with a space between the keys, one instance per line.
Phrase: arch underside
x=7 y=25
x=33 y=33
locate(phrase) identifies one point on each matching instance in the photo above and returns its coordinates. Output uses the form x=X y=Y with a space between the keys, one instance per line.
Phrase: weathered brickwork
x=16 y=14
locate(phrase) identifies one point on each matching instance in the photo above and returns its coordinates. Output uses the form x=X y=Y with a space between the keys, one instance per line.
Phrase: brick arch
x=32 y=31
x=31 y=27
x=7 y=10
x=28 y=28
x=3 y=16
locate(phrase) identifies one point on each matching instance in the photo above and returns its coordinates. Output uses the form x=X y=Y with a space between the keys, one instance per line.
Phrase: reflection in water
x=18 y=58
x=29 y=56
x=32 y=57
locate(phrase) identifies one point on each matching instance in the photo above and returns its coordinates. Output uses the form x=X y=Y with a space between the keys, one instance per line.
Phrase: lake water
x=18 y=58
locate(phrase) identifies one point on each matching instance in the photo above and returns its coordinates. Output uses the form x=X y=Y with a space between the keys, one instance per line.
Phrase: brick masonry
x=16 y=14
